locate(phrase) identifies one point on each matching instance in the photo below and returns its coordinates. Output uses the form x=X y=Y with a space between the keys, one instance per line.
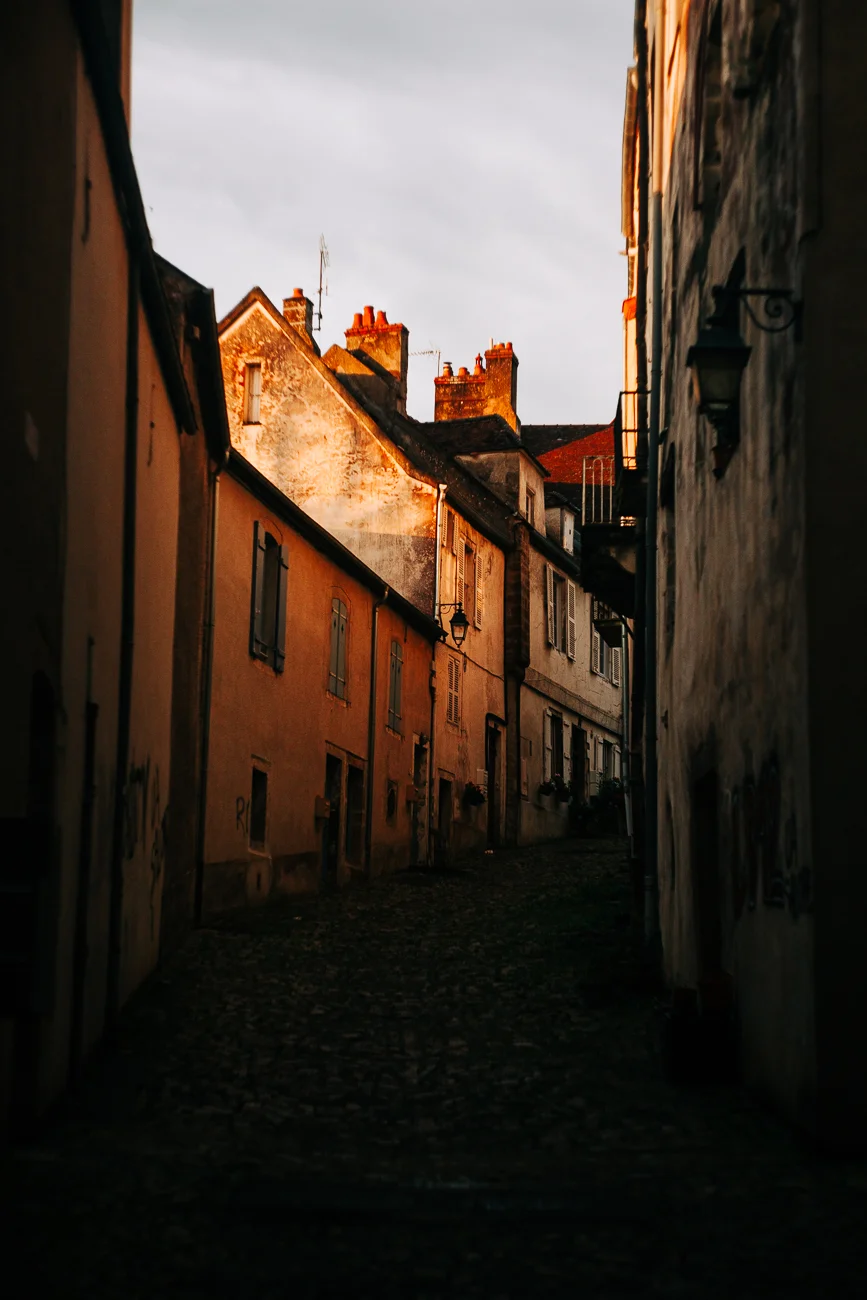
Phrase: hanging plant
x=474 y=794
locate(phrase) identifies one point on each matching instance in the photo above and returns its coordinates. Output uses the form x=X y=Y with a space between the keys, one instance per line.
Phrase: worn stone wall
x=736 y=847
x=317 y=445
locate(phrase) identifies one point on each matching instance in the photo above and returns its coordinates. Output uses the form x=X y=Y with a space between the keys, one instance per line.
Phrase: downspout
x=624 y=753
x=432 y=680
x=651 y=881
x=371 y=731
x=127 y=639
x=207 y=685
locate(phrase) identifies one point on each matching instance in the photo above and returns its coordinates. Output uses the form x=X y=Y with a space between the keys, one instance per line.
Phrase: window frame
x=338 y=657
x=252 y=400
x=395 y=687
x=453 y=690
x=271 y=568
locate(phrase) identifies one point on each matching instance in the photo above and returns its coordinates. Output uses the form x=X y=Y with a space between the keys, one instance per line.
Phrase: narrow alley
x=439 y=1084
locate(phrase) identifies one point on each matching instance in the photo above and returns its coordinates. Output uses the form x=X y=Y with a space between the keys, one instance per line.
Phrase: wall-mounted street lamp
x=719 y=355
x=459 y=623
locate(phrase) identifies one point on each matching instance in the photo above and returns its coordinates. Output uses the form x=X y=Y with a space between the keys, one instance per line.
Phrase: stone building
x=741 y=178
x=332 y=434
x=96 y=410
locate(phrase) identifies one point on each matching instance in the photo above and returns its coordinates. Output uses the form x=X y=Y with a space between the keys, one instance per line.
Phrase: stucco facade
x=292 y=745
x=759 y=880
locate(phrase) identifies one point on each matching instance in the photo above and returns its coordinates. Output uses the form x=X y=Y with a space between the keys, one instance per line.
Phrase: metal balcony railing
x=597 y=490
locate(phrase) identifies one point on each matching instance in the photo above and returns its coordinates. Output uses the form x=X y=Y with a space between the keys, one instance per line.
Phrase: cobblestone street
x=439 y=1085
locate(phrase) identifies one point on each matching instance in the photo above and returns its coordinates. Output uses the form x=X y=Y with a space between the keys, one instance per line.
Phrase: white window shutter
x=548 y=748
x=571 y=632
x=595 y=654
x=615 y=666
x=453 y=532
x=549 y=593
x=477 y=612
x=460 y=571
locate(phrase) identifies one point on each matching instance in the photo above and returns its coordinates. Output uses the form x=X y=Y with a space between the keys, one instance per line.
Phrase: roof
x=478 y=436
x=563 y=447
x=240 y=469
x=190 y=302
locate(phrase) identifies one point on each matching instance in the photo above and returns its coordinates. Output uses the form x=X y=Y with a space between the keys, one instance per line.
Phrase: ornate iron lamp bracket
x=777 y=310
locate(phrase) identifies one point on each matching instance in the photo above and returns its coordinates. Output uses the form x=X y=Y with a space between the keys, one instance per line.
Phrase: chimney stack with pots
x=387 y=346
x=298 y=311
x=491 y=389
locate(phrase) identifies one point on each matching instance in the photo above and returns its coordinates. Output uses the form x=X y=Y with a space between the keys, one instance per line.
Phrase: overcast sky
x=462 y=159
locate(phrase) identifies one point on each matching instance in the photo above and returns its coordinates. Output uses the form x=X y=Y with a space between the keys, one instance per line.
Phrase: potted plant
x=474 y=795
x=547 y=787
x=561 y=790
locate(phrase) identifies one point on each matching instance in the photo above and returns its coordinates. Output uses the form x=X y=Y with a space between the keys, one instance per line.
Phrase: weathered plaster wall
x=732 y=617
x=146 y=807
x=315 y=444
x=460 y=747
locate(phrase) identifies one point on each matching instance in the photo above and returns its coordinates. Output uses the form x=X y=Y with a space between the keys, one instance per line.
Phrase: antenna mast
x=324 y=263
x=429 y=352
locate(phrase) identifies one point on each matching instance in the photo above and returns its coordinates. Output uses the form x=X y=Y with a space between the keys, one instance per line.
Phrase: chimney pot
x=381 y=319
x=356 y=321
x=447 y=370
x=462 y=372
x=479 y=369
x=368 y=316
x=297 y=293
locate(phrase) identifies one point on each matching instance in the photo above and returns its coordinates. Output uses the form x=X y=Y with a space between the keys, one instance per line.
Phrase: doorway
x=579 y=762
x=419 y=807
x=354 y=816
x=444 y=823
x=492 y=763
x=331 y=829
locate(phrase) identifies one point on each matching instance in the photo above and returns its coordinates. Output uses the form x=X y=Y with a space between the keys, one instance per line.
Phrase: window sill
x=251 y=424
x=259 y=851
x=338 y=699
x=393 y=731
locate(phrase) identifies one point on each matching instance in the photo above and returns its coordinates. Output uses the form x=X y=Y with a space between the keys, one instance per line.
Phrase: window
x=268 y=603
x=604 y=659
x=252 y=392
x=531 y=508
x=607 y=760
x=526 y=754
x=468 y=581
x=395 y=686
x=453 y=695
x=554 y=763
x=449 y=531
x=258 y=809
x=391 y=803
x=337 y=665
x=561 y=597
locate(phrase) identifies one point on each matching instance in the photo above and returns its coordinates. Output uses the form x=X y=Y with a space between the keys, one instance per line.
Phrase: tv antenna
x=324 y=263
x=429 y=352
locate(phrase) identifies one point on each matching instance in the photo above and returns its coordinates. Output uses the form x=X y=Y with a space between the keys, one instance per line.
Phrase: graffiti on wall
x=242 y=814
x=145 y=823
x=764 y=852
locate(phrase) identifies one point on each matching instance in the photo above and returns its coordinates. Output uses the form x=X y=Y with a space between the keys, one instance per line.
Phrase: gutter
x=371 y=731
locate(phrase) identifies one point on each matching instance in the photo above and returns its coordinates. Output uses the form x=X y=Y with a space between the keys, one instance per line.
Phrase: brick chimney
x=374 y=339
x=491 y=389
x=298 y=311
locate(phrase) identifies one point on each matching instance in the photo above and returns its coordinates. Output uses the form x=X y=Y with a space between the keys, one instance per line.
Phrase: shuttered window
x=526 y=752
x=597 y=652
x=395 y=686
x=550 y=623
x=252 y=392
x=337 y=665
x=616 y=655
x=268 y=598
x=547 y=751
x=453 y=695
x=477 y=610
x=449 y=530
x=571 y=636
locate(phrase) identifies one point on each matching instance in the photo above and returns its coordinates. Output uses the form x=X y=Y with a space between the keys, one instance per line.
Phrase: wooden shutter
x=460 y=573
x=595 y=652
x=525 y=767
x=258 y=642
x=395 y=686
x=453 y=700
x=335 y=643
x=615 y=666
x=570 y=620
x=549 y=592
x=477 y=612
x=280 y=630
x=341 y=652
x=453 y=532
x=254 y=392
x=548 y=748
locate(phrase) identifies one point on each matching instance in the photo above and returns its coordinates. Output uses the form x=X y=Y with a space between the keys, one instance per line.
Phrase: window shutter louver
x=461 y=569
x=549 y=592
x=477 y=612
x=258 y=645
x=453 y=532
x=341 y=653
x=280 y=630
x=571 y=635
x=595 y=655
x=548 y=748
x=615 y=667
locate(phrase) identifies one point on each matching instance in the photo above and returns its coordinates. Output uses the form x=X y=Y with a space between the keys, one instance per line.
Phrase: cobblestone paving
x=441 y=1085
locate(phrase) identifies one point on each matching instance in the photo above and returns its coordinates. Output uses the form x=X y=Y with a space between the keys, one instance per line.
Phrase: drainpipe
x=207 y=685
x=651 y=881
x=127 y=637
x=431 y=767
x=371 y=731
